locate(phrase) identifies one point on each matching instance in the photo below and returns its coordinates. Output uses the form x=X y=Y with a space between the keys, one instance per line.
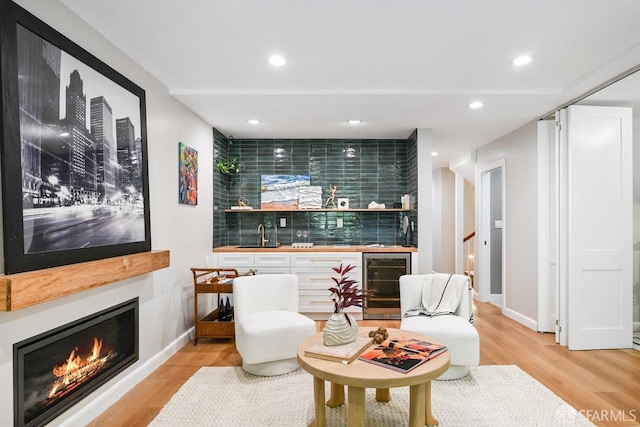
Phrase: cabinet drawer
x=329 y=259
x=272 y=270
x=237 y=260
x=319 y=301
x=312 y=278
x=316 y=300
x=272 y=260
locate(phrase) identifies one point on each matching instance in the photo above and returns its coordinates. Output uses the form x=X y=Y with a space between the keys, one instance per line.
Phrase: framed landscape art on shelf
x=74 y=151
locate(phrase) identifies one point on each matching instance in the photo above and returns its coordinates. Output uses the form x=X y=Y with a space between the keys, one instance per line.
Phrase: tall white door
x=547 y=229
x=600 y=227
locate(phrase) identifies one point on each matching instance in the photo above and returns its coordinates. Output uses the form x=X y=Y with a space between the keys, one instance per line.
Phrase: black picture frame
x=70 y=192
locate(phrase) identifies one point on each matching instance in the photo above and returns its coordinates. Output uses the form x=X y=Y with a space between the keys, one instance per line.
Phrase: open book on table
x=402 y=354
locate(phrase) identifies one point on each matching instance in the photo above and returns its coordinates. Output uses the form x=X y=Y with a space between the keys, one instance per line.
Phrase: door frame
x=484 y=292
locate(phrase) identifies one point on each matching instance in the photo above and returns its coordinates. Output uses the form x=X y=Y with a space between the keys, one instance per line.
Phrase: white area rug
x=488 y=396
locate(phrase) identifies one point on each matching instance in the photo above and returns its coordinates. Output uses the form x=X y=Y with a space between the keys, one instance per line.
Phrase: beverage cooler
x=381 y=273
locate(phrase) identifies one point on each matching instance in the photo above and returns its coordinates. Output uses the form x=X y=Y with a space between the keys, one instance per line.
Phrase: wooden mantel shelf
x=35 y=287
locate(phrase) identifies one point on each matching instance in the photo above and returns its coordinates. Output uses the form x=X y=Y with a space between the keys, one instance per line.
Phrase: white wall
x=443 y=220
x=425 y=201
x=519 y=151
x=166 y=296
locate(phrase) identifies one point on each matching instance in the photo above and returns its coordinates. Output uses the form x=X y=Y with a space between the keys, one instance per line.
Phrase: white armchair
x=453 y=330
x=268 y=326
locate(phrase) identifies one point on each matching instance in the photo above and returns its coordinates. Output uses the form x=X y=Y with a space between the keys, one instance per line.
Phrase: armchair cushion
x=272 y=335
x=455 y=332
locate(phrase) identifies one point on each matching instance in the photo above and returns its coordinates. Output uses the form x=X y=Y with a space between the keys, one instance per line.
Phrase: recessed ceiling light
x=434 y=153
x=476 y=104
x=354 y=121
x=253 y=121
x=277 y=61
x=522 y=60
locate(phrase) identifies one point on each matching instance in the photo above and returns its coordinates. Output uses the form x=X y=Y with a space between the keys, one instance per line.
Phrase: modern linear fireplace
x=56 y=369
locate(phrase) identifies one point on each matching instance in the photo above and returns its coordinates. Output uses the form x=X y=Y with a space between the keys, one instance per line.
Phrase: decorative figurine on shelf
x=243 y=201
x=333 y=189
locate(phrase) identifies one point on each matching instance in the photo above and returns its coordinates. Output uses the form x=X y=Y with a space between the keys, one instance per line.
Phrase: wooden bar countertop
x=320 y=248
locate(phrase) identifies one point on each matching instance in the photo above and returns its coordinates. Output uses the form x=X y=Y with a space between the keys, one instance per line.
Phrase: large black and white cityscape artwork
x=81 y=152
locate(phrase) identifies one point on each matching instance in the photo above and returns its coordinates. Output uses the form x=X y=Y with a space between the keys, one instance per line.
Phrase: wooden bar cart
x=213 y=281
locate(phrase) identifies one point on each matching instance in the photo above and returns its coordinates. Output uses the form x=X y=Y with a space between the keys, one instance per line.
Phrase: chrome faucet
x=263 y=241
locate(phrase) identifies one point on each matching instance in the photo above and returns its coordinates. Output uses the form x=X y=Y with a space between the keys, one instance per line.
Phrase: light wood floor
x=604 y=384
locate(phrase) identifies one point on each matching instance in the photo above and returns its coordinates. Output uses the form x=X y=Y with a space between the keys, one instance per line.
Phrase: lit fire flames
x=75 y=370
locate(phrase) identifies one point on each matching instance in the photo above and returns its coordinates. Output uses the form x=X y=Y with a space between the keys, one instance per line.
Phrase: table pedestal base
x=420 y=413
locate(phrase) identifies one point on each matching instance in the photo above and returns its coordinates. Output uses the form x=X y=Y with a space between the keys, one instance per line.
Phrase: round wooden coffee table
x=359 y=375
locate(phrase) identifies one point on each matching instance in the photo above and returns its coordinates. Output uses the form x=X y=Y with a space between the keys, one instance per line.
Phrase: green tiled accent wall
x=363 y=171
x=220 y=189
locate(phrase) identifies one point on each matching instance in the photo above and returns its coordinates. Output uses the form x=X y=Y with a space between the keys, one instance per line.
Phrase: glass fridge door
x=381 y=277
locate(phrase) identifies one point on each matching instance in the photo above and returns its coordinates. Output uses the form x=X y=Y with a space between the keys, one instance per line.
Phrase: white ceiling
x=622 y=93
x=396 y=65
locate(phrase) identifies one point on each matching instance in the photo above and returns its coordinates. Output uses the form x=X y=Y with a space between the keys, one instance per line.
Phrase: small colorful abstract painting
x=281 y=191
x=188 y=172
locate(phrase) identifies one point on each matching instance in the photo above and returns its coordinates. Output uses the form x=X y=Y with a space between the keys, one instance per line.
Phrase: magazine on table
x=402 y=354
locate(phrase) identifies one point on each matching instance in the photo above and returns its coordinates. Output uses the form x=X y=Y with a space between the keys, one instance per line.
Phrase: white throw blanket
x=441 y=294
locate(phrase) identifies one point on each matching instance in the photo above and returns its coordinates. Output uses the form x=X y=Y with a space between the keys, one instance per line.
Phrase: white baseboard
x=526 y=321
x=112 y=392
x=529 y=323
x=496 y=299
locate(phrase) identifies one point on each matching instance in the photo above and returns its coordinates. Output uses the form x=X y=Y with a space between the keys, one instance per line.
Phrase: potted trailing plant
x=229 y=166
x=341 y=328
